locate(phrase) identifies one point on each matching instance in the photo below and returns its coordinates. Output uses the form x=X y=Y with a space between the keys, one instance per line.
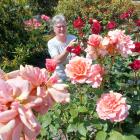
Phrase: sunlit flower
x=122 y=42
x=112 y=106
x=96 y=75
x=78 y=69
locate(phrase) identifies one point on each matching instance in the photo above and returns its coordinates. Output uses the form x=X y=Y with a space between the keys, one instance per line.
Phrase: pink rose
x=51 y=65
x=44 y=17
x=112 y=106
x=78 y=69
x=94 y=40
x=96 y=75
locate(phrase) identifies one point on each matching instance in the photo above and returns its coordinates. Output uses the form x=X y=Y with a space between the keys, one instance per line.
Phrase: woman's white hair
x=60 y=18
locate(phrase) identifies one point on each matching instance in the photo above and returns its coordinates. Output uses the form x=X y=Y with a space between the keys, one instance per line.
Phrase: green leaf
x=101 y=135
x=72 y=128
x=74 y=113
x=114 y=135
x=82 y=130
x=82 y=109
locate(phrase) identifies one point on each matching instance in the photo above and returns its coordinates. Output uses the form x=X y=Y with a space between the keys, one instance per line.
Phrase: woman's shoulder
x=71 y=37
x=52 y=40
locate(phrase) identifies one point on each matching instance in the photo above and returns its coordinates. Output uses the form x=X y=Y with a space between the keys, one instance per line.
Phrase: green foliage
x=98 y=9
x=43 y=7
x=17 y=44
x=78 y=120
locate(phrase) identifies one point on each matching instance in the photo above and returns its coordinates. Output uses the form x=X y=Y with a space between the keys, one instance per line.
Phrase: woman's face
x=60 y=29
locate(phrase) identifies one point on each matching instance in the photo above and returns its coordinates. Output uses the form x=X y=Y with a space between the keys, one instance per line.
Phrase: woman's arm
x=61 y=57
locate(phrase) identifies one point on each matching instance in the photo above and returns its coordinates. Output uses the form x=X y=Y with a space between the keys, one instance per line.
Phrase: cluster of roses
x=96 y=26
x=116 y=42
x=36 y=23
x=111 y=105
x=23 y=92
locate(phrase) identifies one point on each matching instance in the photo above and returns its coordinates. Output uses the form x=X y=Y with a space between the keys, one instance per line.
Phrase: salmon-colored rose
x=96 y=75
x=112 y=106
x=78 y=69
x=94 y=40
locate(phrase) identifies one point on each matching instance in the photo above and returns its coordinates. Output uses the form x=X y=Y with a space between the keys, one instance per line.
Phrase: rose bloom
x=94 y=40
x=96 y=27
x=124 y=15
x=137 y=22
x=78 y=69
x=78 y=23
x=111 y=25
x=51 y=65
x=96 y=76
x=33 y=23
x=44 y=17
x=95 y=49
x=137 y=47
x=123 y=42
x=135 y=65
x=112 y=106
x=76 y=50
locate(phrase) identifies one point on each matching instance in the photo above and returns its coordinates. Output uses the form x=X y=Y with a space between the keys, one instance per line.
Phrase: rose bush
x=104 y=88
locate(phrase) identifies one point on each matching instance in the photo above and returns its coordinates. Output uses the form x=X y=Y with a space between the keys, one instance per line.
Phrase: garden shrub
x=17 y=44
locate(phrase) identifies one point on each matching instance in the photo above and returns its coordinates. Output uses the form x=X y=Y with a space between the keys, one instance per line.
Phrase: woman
x=58 y=44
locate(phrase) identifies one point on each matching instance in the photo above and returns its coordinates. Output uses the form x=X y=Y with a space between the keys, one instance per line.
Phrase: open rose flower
x=112 y=106
x=124 y=15
x=32 y=23
x=45 y=18
x=95 y=49
x=78 y=23
x=94 y=40
x=111 y=25
x=122 y=42
x=78 y=69
x=137 y=47
x=96 y=75
x=135 y=65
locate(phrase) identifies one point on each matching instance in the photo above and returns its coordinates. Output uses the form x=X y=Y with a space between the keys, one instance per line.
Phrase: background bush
x=18 y=45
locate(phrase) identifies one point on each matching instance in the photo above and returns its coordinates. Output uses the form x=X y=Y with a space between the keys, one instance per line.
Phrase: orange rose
x=78 y=69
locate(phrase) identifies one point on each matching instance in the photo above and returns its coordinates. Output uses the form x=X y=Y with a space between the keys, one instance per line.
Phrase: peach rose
x=94 y=40
x=78 y=69
x=95 y=76
x=112 y=106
